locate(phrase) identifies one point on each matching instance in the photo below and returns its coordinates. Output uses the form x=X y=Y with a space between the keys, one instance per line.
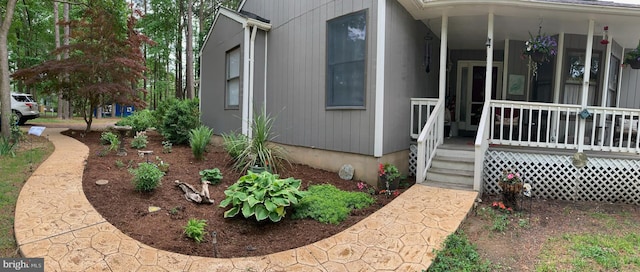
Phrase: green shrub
x=15 y=132
x=180 y=118
x=111 y=139
x=262 y=195
x=328 y=204
x=199 y=138
x=147 y=177
x=234 y=143
x=195 y=229
x=140 y=140
x=139 y=120
x=212 y=175
x=161 y=110
x=258 y=151
x=458 y=254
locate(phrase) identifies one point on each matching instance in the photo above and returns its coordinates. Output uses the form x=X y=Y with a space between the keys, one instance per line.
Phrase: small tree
x=105 y=60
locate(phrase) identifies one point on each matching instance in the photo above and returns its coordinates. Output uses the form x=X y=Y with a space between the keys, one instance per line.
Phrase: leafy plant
x=109 y=138
x=146 y=177
x=195 y=229
x=119 y=164
x=458 y=254
x=7 y=147
x=234 y=143
x=139 y=120
x=328 y=204
x=179 y=119
x=388 y=171
x=15 y=132
x=163 y=166
x=258 y=151
x=140 y=140
x=261 y=195
x=167 y=147
x=199 y=138
x=212 y=175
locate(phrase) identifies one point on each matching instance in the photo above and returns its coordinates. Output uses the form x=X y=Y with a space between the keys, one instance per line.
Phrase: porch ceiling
x=514 y=19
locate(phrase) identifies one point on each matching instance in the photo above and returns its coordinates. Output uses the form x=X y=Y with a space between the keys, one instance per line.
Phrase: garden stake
x=214 y=241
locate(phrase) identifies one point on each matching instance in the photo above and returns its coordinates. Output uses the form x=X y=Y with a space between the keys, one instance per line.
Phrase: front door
x=470 y=90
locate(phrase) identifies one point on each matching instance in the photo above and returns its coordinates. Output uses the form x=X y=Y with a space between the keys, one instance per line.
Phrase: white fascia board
x=227 y=13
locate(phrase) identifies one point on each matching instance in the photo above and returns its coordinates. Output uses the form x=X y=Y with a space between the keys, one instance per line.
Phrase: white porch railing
x=429 y=139
x=547 y=125
x=421 y=109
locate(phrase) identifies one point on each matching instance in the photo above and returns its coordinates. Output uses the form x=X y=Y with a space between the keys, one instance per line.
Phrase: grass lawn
x=14 y=172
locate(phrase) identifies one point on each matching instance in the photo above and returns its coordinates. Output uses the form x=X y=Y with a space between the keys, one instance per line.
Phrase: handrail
x=481 y=145
x=533 y=124
x=428 y=141
x=421 y=109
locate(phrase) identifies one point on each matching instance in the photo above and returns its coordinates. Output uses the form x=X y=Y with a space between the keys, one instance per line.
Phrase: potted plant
x=633 y=58
x=388 y=176
x=539 y=49
x=511 y=185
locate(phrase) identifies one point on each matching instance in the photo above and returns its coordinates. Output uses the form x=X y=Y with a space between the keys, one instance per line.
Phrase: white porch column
x=585 y=84
x=442 y=79
x=557 y=84
x=380 y=49
x=488 y=82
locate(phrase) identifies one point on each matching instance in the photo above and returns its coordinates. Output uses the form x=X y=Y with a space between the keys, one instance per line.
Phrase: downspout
x=585 y=84
x=252 y=68
x=557 y=84
x=245 y=81
x=380 y=63
x=264 y=97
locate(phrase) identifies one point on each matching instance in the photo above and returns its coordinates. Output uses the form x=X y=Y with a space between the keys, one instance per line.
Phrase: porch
x=539 y=140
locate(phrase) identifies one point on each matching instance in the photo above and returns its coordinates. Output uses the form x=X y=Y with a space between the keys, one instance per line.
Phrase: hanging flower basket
x=537 y=56
x=635 y=64
x=633 y=57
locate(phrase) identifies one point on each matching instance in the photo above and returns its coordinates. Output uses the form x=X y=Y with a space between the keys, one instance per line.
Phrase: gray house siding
x=226 y=35
x=296 y=75
x=405 y=74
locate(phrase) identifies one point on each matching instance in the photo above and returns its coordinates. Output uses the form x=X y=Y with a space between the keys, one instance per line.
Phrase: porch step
x=446 y=185
x=452 y=167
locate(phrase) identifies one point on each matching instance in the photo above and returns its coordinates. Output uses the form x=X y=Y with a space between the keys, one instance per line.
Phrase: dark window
x=346 y=51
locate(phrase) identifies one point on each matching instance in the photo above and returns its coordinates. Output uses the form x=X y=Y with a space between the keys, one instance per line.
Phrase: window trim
x=365 y=61
x=227 y=78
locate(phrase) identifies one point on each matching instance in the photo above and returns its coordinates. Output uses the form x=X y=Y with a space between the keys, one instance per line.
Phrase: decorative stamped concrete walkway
x=55 y=221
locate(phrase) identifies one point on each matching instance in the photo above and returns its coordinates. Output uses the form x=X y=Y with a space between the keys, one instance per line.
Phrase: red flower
x=396 y=193
x=501 y=205
x=380 y=169
x=495 y=204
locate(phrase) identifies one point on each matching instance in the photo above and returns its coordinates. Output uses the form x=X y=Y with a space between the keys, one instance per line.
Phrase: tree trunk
x=66 y=104
x=179 y=88
x=189 y=66
x=5 y=87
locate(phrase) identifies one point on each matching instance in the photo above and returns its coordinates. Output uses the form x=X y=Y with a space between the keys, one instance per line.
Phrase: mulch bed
x=127 y=209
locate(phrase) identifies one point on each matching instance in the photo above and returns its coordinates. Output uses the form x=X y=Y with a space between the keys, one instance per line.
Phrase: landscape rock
x=346 y=172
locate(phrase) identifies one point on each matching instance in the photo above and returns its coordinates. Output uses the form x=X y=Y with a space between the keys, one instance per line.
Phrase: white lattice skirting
x=555 y=177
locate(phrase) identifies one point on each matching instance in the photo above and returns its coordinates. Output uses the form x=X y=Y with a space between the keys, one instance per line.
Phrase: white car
x=24 y=107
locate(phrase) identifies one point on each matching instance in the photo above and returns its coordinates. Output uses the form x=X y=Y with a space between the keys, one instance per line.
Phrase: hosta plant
x=261 y=195
x=195 y=229
x=212 y=175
